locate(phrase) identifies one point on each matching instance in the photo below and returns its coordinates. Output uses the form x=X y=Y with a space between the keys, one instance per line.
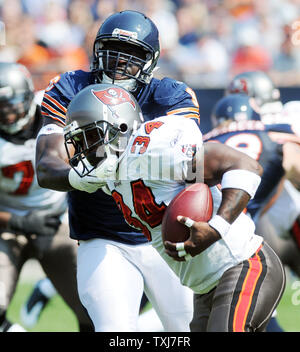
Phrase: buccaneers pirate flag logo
x=114 y=96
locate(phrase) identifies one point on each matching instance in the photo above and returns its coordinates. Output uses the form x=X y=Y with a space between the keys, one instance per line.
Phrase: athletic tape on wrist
x=241 y=179
x=220 y=225
x=182 y=253
x=180 y=246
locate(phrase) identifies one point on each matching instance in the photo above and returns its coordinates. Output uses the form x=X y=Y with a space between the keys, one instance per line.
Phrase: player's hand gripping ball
x=195 y=202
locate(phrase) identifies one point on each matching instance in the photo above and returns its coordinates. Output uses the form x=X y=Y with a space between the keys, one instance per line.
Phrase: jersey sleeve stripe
x=183 y=110
x=53 y=117
x=52 y=110
x=55 y=102
x=190 y=116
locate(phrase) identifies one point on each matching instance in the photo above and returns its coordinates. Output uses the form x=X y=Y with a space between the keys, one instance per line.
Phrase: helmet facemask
x=117 y=59
x=90 y=144
x=16 y=109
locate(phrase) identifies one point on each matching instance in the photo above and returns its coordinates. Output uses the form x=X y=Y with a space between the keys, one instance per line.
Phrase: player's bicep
x=219 y=158
x=50 y=142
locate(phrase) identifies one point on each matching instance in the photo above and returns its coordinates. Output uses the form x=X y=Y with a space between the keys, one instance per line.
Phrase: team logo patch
x=239 y=86
x=189 y=150
x=117 y=32
x=114 y=96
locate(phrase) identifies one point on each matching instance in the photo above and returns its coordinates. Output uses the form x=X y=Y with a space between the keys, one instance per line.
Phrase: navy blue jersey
x=96 y=215
x=251 y=137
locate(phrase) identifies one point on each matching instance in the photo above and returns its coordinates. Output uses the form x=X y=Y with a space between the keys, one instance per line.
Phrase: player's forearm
x=234 y=201
x=238 y=175
x=52 y=165
x=53 y=173
x=4 y=219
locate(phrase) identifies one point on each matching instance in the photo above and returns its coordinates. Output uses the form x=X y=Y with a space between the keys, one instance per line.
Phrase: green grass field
x=57 y=316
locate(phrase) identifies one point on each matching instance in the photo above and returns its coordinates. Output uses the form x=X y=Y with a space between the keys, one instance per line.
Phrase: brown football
x=195 y=202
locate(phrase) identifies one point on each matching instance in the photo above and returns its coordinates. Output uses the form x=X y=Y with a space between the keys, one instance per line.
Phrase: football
x=195 y=202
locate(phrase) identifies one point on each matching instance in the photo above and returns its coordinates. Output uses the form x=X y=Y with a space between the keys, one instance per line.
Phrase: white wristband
x=241 y=179
x=220 y=225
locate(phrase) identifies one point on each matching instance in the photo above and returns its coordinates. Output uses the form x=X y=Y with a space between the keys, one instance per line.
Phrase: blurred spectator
x=54 y=29
x=240 y=8
x=249 y=55
x=11 y=16
x=51 y=46
x=160 y=11
x=204 y=63
x=80 y=18
x=286 y=68
x=36 y=9
x=104 y=8
x=52 y=36
x=34 y=54
x=192 y=20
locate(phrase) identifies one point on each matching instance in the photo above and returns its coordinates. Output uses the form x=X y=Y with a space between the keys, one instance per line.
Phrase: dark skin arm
x=4 y=219
x=218 y=159
x=52 y=165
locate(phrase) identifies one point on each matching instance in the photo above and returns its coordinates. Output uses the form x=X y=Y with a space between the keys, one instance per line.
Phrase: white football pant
x=112 y=277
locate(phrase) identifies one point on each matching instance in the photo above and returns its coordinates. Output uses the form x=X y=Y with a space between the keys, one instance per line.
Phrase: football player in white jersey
x=32 y=219
x=237 y=279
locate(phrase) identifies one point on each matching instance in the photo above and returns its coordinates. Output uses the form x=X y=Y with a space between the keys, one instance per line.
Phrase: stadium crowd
x=203 y=42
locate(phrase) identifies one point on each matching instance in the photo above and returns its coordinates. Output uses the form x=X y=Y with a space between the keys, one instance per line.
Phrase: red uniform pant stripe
x=246 y=295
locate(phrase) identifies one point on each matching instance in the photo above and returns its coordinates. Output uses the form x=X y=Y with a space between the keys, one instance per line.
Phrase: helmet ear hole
x=123 y=127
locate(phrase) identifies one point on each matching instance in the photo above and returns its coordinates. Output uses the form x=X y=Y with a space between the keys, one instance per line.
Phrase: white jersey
x=276 y=113
x=152 y=170
x=19 y=189
x=287 y=205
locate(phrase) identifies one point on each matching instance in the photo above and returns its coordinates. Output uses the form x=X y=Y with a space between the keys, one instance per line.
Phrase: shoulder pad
x=169 y=91
x=70 y=83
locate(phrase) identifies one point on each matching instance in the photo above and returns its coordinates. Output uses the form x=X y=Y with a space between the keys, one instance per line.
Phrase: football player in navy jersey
x=32 y=219
x=283 y=126
x=238 y=125
x=113 y=269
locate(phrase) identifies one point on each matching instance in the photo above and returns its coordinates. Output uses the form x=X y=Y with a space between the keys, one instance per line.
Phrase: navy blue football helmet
x=236 y=107
x=126 y=39
x=256 y=84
